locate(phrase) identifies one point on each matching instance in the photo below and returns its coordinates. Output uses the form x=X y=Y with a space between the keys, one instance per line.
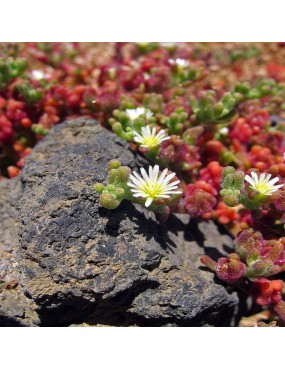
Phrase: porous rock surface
x=81 y=263
x=15 y=308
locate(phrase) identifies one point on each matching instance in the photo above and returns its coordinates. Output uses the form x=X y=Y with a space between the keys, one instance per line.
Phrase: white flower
x=152 y=185
x=135 y=113
x=150 y=139
x=262 y=184
x=179 y=62
x=37 y=75
x=223 y=131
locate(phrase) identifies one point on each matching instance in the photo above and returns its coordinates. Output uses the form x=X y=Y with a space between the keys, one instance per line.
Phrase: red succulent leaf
x=267 y=291
x=230 y=269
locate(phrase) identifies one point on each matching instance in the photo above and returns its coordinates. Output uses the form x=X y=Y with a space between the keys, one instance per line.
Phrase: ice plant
x=135 y=113
x=207 y=109
x=10 y=69
x=149 y=138
x=232 y=184
x=254 y=259
x=153 y=186
x=145 y=92
x=179 y=156
x=263 y=184
x=176 y=121
x=199 y=198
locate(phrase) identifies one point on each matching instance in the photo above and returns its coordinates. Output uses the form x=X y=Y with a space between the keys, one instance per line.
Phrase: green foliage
x=262 y=88
x=127 y=102
x=10 y=69
x=124 y=126
x=232 y=184
x=262 y=268
x=30 y=94
x=39 y=129
x=207 y=109
x=238 y=53
x=243 y=54
x=191 y=72
x=153 y=102
x=176 y=121
x=191 y=135
x=146 y=47
x=116 y=189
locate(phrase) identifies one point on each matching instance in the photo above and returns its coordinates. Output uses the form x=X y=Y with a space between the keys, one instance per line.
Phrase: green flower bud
x=231 y=199
x=108 y=201
x=227 y=170
x=113 y=164
x=99 y=187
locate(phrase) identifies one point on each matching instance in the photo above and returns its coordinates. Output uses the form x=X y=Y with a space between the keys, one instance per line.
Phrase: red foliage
x=240 y=130
x=276 y=71
x=199 y=198
x=212 y=174
x=230 y=269
x=176 y=151
x=267 y=291
x=225 y=214
x=13 y=171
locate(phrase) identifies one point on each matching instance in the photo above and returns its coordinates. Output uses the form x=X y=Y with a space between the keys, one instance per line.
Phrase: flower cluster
x=158 y=191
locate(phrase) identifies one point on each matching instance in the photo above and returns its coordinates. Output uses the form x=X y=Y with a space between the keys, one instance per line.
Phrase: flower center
x=263 y=188
x=150 y=141
x=153 y=189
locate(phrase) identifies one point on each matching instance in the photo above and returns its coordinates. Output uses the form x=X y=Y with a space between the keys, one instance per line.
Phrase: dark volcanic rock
x=15 y=308
x=82 y=263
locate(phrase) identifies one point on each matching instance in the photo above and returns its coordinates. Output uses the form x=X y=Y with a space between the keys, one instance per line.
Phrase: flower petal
x=249 y=179
x=148 y=201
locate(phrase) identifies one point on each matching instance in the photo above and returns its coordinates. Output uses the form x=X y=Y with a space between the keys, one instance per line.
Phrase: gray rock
x=15 y=308
x=83 y=263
